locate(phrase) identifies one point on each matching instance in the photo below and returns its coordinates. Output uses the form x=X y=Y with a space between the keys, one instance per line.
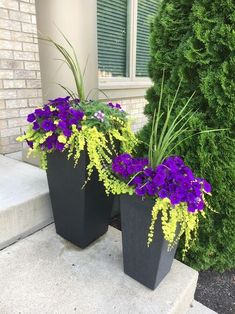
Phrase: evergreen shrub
x=193 y=41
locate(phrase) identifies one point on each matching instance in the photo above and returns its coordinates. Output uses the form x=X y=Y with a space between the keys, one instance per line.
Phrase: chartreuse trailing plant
x=73 y=124
x=179 y=195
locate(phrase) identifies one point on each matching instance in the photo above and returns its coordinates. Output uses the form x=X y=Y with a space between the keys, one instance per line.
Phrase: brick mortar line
x=19 y=31
x=20 y=88
x=11 y=30
x=19 y=10
x=32 y=34
x=15 y=10
x=10 y=19
x=20 y=42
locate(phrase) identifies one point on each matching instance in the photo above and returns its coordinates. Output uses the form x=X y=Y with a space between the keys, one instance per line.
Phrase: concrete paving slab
x=24 y=200
x=16 y=155
x=46 y=274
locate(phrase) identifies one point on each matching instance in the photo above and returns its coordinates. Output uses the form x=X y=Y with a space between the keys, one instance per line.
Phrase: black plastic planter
x=81 y=215
x=148 y=265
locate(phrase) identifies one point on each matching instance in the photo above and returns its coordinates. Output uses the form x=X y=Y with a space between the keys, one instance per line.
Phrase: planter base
x=148 y=265
x=81 y=215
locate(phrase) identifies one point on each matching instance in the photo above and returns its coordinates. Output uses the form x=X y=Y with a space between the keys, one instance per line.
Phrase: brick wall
x=20 y=84
x=135 y=108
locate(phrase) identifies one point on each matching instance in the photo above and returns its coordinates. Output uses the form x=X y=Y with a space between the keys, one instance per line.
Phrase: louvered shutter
x=111 y=32
x=146 y=11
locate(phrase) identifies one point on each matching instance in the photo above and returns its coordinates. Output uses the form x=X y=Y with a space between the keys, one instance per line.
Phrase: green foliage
x=193 y=41
x=90 y=108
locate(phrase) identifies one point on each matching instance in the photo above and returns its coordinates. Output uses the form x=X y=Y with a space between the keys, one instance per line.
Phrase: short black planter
x=81 y=215
x=148 y=265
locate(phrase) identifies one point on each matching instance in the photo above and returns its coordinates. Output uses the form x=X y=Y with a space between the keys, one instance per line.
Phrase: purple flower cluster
x=126 y=166
x=115 y=106
x=57 y=116
x=171 y=179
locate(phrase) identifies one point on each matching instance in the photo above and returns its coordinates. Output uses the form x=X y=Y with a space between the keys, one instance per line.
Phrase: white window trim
x=133 y=86
x=131 y=54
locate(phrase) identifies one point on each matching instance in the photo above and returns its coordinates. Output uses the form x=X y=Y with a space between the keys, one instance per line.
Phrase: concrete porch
x=43 y=273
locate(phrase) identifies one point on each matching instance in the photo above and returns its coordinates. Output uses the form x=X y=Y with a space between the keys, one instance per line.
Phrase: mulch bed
x=217 y=291
x=214 y=290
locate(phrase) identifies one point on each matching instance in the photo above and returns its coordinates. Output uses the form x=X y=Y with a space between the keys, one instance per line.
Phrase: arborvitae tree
x=194 y=41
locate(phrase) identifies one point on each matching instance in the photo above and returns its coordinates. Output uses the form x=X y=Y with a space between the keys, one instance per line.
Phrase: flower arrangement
x=70 y=125
x=179 y=195
x=73 y=123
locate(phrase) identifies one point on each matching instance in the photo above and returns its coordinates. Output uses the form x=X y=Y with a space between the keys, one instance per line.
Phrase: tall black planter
x=81 y=215
x=148 y=265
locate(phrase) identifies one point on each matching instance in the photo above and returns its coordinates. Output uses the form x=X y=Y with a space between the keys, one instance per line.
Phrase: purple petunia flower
x=31 y=117
x=48 y=125
x=111 y=105
x=36 y=126
x=206 y=186
x=162 y=193
x=50 y=141
x=63 y=115
x=62 y=125
x=140 y=190
x=136 y=180
x=78 y=114
x=63 y=107
x=47 y=111
x=30 y=143
x=116 y=106
x=39 y=113
x=59 y=100
x=67 y=132
x=59 y=146
x=72 y=121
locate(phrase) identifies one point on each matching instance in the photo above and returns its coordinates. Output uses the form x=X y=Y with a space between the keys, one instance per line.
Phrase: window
x=123 y=38
x=146 y=11
x=112 y=37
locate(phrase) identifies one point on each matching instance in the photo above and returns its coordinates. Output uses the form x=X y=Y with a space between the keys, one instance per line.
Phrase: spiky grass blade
x=71 y=60
x=164 y=141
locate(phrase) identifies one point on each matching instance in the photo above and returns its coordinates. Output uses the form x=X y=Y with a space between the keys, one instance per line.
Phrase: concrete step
x=30 y=159
x=44 y=273
x=24 y=200
x=198 y=308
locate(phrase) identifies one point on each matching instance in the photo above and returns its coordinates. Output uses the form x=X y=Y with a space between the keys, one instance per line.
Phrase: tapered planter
x=148 y=265
x=81 y=215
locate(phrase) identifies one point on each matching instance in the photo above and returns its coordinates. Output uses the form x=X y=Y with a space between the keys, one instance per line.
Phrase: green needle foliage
x=193 y=42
